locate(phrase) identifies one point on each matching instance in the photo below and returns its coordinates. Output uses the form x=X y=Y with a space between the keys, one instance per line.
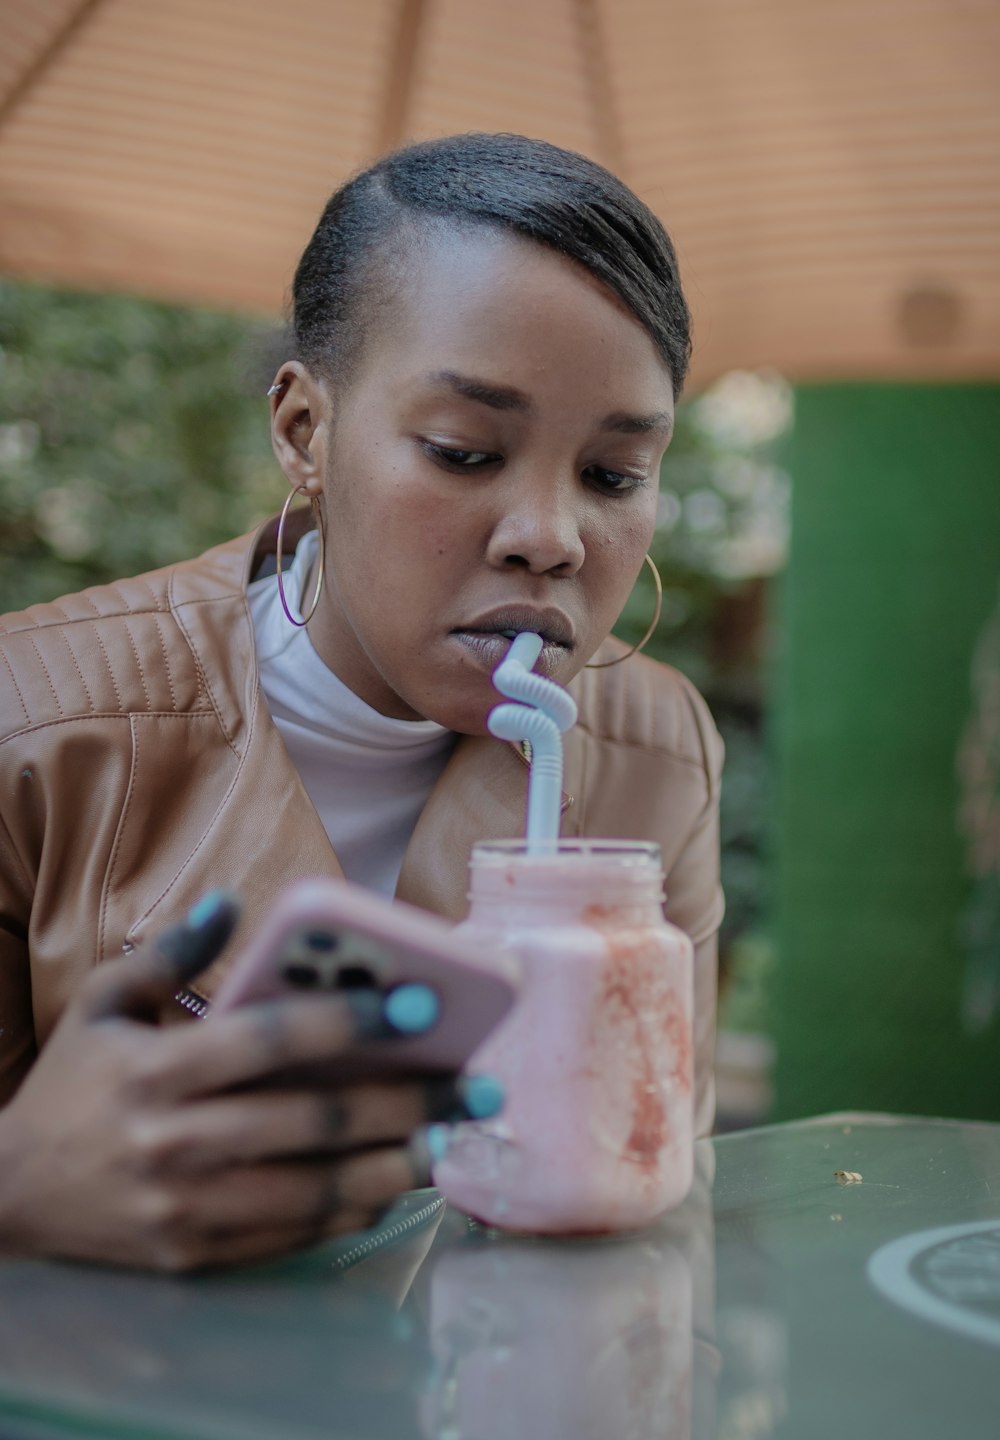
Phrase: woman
x=491 y=337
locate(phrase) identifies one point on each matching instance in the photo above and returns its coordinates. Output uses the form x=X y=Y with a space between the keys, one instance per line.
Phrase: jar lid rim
x=638 y=852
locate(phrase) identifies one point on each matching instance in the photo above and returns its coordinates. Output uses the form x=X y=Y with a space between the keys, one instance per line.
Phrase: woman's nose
x=538 y=531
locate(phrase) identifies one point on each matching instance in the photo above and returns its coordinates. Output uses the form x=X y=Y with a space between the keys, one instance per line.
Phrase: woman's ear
x=299 y=413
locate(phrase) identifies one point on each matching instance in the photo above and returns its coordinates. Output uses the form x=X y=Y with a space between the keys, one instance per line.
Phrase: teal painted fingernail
x=192 y=945
x=438 y=1140
x=482 y=1095
x=205 y=911
x=411 y=1009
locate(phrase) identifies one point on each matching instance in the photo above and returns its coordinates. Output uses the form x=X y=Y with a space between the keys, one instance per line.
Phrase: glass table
x=783 y=1299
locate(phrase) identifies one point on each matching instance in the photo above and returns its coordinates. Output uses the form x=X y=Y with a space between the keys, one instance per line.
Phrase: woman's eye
x=614 y=482
x=458 y=459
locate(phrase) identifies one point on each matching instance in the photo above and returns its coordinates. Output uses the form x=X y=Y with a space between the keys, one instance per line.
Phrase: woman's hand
x=164 y=1147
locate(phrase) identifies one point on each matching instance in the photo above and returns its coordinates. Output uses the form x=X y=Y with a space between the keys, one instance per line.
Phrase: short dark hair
x=555 y=197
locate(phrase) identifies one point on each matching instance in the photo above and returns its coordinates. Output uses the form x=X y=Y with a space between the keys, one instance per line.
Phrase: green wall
x=893 y=576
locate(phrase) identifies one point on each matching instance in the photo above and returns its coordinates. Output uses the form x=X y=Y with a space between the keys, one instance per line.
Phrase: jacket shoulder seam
x=645 y=746
x=77 y=667
x=83 y=716
x=17 y=688
x=63 y=622
x=175 y=610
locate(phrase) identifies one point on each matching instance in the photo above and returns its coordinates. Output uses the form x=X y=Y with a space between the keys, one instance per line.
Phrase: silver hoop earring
x=321 y=524
x=603 y=664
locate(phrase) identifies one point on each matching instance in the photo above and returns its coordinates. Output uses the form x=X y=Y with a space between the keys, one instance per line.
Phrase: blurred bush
x=134 y=433
x=129 y=437
x=721 y=541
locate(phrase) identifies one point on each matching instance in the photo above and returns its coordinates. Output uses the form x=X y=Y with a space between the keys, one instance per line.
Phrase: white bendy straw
x=544 y=710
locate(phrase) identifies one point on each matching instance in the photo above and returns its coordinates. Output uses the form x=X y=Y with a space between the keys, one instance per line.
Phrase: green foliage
x=129 y=437
x=722 y=535
x=723 y=525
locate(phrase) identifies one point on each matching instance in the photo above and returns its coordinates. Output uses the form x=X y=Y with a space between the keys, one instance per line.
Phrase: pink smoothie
x=596 y=1056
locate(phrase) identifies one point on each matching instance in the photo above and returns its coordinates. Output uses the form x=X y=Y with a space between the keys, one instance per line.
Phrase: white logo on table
x=949 y=1276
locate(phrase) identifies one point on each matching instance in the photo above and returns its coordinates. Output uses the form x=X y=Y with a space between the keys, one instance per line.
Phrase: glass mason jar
x=596 y=1055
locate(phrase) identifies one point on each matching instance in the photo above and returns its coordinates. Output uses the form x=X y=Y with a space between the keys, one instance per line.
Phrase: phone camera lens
x=355 y=977
x=302 y=975
x=321 y=940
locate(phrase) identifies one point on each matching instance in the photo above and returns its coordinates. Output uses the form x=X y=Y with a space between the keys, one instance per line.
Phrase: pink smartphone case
x=394 y=943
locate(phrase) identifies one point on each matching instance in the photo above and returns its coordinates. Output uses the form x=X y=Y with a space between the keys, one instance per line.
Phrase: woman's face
x=490 y=467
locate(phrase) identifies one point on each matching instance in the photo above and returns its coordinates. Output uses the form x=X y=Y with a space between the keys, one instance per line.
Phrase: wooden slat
x=31 y=34
x=816 y=163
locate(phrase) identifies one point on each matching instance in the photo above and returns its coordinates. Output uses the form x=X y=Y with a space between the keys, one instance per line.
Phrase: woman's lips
x=549 y=621
x=488 y=647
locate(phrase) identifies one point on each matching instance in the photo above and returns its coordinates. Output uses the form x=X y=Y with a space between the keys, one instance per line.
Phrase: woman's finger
x=182 y=1255
x=301 y=1196
x=252 y=1044
x=267 y=1125
x=247 y=1247
x=262 y=1126
x=137 y=986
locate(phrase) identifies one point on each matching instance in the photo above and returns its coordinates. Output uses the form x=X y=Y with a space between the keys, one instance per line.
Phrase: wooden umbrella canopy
x=830 y=172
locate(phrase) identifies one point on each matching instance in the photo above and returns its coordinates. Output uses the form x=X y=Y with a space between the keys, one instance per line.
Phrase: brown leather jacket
x=139 y=768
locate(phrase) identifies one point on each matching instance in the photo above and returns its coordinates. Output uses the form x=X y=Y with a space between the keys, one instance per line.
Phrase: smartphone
x=332 y=935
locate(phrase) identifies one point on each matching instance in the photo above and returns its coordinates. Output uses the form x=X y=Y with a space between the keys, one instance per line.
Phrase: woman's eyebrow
x=498 y=397
x=638 y=424
x=507 y=397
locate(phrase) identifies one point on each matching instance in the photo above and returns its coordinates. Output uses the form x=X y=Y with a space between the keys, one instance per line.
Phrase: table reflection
x=560 y=1339
x=436 y=1329
x=312 y=1345
x=576 y=1338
